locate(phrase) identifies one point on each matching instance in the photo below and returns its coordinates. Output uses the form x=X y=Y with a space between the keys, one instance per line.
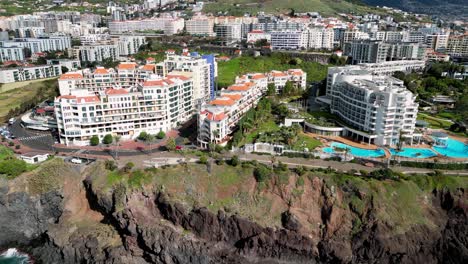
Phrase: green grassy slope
x=324 y=7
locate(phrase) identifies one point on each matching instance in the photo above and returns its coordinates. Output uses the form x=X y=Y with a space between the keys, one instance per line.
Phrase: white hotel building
x=374 y=108
x=218 y=118
x=122 y=102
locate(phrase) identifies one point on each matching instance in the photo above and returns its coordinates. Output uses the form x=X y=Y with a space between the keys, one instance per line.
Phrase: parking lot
x=41 y=140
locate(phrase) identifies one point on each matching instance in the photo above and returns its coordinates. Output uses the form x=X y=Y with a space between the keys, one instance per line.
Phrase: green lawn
x=16 y=94
x=227 y=71
x=306 y=142
x=434 y=122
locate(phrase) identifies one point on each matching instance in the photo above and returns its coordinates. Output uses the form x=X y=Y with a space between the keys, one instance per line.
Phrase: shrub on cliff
x=262 y=173
x=12 y=167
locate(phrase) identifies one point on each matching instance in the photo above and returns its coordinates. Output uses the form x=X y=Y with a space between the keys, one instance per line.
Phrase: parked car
x=76 y=161
x=11 y=121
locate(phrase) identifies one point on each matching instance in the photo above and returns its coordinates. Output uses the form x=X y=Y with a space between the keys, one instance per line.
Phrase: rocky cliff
x=324 y=223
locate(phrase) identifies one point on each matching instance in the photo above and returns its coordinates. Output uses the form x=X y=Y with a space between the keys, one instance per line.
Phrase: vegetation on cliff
x=262 y=193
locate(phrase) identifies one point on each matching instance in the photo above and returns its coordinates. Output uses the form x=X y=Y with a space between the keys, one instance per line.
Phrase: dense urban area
x=164 y=131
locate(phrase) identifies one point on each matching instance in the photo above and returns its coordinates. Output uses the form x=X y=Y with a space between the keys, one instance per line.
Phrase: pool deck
x=326 y=140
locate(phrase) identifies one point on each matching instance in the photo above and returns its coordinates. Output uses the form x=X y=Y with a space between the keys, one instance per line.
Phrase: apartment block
x=19 y=74
x=97 y=52
x=11 y=54
x=129 y=45
x=458 y=45
x=256 y=35
x=228 y=33
x=95 y=109
x=320 y=38
x=288 y=40
x=218 y=118
x=41 y=44
x=168 y=25
x=200 y=26
x=202 y=70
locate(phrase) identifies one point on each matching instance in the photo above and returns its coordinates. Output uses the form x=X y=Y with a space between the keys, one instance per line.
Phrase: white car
x=11 y=121
x=76 y=161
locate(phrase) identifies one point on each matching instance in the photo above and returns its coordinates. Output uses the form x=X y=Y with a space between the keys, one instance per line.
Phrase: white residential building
x=256 y=35
x=198 y=68
x=200 y=26
x=228 y=33
x=71 y=65
x=288 y=40
x=129 y=45
x=97 y=52
x=218 y=118
x=41 y=44
x=153 y=105
x=168 y=25
x=11 y=54
x=320 y=38
x=19 y=74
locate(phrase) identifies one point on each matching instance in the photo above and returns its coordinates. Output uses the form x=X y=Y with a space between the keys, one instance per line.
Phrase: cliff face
x=24 y=218
x=88 y=224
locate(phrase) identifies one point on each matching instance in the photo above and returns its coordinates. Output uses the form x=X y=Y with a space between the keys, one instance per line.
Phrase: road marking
x=33 y=137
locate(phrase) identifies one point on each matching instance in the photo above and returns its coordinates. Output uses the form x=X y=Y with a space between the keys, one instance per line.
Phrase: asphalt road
x=40 y=140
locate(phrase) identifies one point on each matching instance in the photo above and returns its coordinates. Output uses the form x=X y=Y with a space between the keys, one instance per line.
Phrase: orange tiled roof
x=234 y=97
x=101 y=71
x=149 y=67
x=88 y=99
x=178 y=76
x=213 y=116
x=258 y=76
x=71 y=75
x=112 y=91
x=153 y=83
x=222 y=101
x=126 y=66
x=240 y=87
x=278 y=74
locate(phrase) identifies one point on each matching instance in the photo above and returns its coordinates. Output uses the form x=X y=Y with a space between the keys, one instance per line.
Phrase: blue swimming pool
x=358 y=152
x=420 y=153
x=454 y=149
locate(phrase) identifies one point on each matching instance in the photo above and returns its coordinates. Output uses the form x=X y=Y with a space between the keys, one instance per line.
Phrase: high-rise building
x=202 y=70
x=458 y=45
x=228 y=33
x=200 y=26
x=376 y=109
x=122 y=102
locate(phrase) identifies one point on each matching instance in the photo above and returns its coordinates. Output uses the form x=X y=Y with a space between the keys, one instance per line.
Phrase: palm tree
x=346 y=151
x=150 y=139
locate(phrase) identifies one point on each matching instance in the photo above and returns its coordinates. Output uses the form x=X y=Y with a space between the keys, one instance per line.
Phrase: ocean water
x=13 y=256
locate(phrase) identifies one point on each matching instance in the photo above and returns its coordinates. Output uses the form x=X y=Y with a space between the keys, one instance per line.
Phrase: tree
x=235 y=161
x=110 y=165
x=171 y=144
x=262 y=173
x=261 y=43
x=94 y=141
x=271 y=89
x=288 y=89
x=107 y=139
x=143 y=136
x=64 y=69
x=161 y=135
